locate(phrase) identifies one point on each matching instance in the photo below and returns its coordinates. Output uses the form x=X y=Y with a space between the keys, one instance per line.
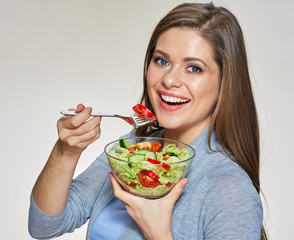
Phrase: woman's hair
x=234 y=117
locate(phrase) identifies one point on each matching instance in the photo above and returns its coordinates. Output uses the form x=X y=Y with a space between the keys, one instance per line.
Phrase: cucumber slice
x=136 y=158
x=147 y=153
x=125 y=144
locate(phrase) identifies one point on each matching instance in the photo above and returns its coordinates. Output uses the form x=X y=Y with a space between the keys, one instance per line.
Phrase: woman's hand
x=154 y=217
x=77 y=132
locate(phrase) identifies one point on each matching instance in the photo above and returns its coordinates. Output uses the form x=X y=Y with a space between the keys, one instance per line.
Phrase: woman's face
x=182 y=80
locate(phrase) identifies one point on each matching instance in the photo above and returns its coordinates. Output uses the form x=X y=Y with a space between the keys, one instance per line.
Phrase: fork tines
x=141 y=119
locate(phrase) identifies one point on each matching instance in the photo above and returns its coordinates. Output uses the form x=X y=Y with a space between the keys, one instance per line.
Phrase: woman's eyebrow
x=162 y=53
x=188 y=59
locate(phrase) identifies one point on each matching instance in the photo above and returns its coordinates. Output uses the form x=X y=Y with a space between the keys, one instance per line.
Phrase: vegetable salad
x=148 y=169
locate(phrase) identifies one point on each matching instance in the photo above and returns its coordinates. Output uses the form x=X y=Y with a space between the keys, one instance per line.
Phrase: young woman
x=197 y=83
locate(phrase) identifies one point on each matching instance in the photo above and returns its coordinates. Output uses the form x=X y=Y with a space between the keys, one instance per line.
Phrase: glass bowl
x=149 y=166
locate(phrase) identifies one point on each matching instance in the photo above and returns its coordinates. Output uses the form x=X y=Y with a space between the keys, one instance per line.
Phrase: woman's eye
x=194 y=69
x=161 y=61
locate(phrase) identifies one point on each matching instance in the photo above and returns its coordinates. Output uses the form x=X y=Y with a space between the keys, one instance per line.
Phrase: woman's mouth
x=172 y=100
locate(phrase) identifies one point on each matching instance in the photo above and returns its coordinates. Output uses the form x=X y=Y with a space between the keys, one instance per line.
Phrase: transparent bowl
x=149 y=179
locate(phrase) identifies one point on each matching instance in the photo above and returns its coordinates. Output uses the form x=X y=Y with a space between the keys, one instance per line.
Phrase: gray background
x=58 y=53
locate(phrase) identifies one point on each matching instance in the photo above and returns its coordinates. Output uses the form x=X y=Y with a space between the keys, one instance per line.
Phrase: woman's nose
x=172 y=79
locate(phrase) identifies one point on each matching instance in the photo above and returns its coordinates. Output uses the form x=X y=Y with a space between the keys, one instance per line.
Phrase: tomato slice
x=148 y=179
x=152 y=174
x=156 y=147
x=162 y=164
x=142 y=110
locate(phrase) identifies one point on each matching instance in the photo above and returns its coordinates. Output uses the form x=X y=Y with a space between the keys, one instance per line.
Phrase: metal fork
x=136 y=121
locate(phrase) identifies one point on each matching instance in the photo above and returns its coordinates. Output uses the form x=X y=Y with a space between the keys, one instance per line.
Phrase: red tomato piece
x=132 y=149
x=142 y=110
x=156 y=147
x=148 y=179
x=165 y=166
x=132 y=184
x=162 y=164
x=152 y=174
x=169 y=184
x=153 y=161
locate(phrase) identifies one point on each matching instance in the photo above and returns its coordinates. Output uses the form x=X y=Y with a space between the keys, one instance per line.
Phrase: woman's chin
x=170 y=123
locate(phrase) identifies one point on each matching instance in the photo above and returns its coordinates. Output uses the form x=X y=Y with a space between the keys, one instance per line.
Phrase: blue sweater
x=219 y=201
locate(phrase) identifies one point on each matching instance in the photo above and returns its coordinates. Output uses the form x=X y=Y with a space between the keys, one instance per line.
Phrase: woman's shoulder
x=221 y=170
x=231 y=187
x=228 y=170
x=232 y=200
x=225 y=181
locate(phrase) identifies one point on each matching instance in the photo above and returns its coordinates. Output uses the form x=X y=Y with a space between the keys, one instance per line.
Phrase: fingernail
x=80 y=108
x=89 y=110
x=184 y=182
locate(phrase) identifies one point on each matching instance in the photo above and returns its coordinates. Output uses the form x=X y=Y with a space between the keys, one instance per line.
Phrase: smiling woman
x=217 y=93
x=196 y=81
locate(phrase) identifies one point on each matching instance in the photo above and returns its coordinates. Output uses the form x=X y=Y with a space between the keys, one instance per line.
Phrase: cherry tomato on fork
x=142 y=110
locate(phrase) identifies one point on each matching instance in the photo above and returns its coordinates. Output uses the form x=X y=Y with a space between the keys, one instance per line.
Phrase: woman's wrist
x=159 y=236
x=63 y=153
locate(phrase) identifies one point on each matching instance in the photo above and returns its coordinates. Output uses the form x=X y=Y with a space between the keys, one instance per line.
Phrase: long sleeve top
x=219 y=201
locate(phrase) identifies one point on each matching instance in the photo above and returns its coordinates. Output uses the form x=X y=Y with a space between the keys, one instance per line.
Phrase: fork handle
x=93 y=114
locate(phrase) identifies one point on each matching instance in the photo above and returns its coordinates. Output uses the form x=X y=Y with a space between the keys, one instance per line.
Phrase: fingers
x=80 y=108
x=78 y=120
x=82 y=129
x=77 y=132
x=81 y=141
x=176 y=192
x=128 y=198
x=119 y=193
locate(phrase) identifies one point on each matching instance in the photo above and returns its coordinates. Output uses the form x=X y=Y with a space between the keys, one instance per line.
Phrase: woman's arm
x=75 y=134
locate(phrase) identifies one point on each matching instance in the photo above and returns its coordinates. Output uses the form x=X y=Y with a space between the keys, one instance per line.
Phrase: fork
x=136 y=121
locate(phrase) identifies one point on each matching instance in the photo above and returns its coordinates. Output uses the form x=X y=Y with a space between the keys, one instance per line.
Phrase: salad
x=147 y=168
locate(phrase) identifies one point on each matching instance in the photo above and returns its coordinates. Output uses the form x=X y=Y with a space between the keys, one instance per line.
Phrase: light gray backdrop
x=58 y=53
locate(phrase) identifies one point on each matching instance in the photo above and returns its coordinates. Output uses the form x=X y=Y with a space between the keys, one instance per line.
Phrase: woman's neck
x=185 y=135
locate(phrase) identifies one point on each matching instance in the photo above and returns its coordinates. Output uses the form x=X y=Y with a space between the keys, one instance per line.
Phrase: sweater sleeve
x=233 y=209
x=82 y=196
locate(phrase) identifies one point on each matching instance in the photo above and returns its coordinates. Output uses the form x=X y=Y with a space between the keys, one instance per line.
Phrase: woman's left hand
x=154 y=217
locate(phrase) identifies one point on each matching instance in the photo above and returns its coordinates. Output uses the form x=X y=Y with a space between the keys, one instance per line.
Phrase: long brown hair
x=234 y=117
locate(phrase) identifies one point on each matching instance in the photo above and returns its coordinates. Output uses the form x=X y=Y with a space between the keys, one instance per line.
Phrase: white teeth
x=174 y=99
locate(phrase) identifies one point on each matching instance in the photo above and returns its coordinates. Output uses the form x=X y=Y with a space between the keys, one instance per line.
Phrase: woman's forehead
x=185 y=43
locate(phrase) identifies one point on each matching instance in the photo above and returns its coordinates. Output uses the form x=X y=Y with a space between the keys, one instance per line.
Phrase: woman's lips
x=171 y=102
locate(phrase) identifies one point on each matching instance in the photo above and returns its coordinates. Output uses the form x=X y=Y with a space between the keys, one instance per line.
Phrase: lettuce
x=127 y=171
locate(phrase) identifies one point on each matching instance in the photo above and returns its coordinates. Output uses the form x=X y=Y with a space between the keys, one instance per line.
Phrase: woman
x=197 y=83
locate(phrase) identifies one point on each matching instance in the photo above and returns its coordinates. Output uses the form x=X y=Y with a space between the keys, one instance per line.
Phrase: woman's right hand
x=77 y=132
